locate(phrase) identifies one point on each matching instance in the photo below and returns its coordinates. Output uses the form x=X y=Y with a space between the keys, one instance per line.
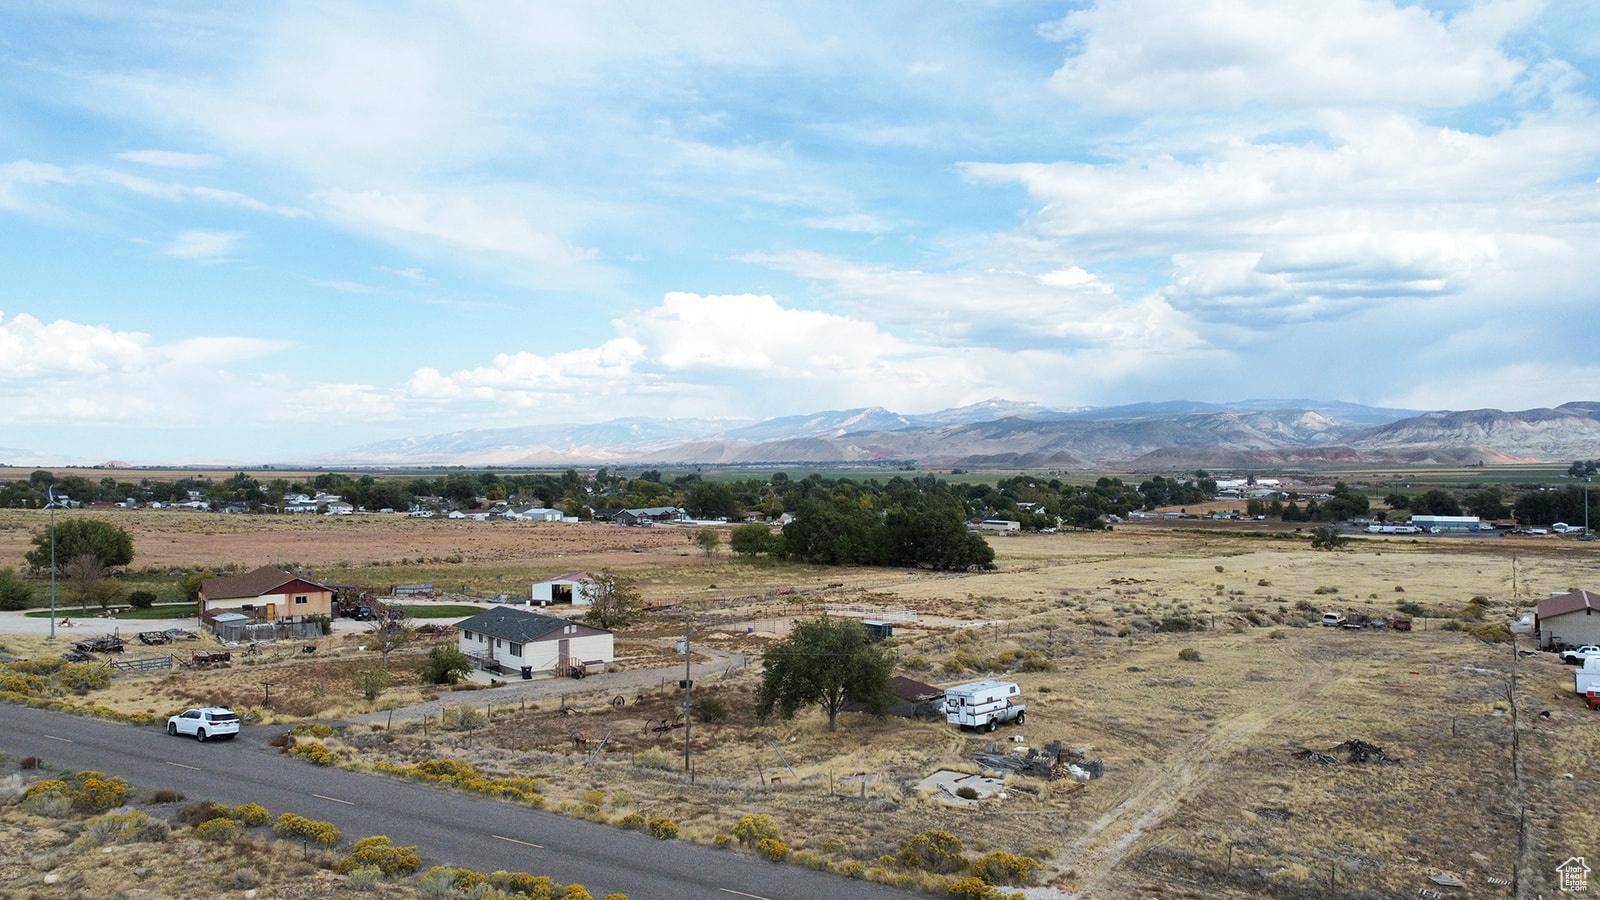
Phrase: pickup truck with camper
x=1586 y=680
x=983 y=704
x=1578 y=656
x=1333 y=619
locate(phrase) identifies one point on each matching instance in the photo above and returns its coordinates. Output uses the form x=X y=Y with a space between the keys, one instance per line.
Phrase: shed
x=877 y=629
x=575 y=588
x=1568 y=619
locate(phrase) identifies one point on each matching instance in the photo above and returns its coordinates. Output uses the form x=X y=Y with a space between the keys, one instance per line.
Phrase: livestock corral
x=1242 y=749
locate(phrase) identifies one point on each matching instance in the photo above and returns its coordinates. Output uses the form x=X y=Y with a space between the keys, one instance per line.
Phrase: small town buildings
x=572 y=588
x=513 y=640
x=649 y=515
x=265 y=595
x=1571 y=619
x=997 y=525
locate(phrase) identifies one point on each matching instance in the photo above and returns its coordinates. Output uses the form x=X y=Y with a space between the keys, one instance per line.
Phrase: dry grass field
x=1491 y=777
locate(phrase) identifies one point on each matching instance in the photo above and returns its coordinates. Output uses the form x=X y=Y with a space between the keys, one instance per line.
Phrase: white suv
x=1333 y=619
x=205 y=723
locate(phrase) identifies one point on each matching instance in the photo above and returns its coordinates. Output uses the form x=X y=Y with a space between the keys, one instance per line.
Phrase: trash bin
x=527 y=673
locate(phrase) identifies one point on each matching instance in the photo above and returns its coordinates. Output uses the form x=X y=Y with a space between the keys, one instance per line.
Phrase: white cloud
x=857 y=222
x=203 y=246
x=170 y=159
x=1132 y=55
x=505 y=237
x=179 y=192
x=23 y=172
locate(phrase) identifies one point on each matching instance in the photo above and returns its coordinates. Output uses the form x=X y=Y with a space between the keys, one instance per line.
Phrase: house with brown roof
x=1571 y=619
x=265 y=595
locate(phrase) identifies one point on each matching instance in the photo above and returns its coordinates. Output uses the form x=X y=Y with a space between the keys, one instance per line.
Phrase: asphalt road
x=448 y=828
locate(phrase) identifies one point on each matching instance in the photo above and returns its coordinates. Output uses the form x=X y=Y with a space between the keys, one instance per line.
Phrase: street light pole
x=50 y=492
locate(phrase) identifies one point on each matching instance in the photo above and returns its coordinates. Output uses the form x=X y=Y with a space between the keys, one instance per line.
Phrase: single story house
x=650 y=515
x=1568 y=619
x=267 y=594
x=533 y=514
x=913 y=699
x=573 y=588
x=1000 y=525
x=511 y=639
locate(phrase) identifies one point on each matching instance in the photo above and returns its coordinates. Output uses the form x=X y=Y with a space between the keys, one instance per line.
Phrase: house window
x=516 y=649
x=572 y=629
x=302 y=599
x=248 y=607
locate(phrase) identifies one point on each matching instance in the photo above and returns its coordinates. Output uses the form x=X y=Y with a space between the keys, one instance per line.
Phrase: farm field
x=1205 y=793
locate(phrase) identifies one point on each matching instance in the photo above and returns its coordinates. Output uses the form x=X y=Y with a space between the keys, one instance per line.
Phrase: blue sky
x=261 y=232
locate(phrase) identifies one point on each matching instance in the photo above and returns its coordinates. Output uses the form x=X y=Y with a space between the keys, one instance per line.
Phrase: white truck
x=983 y=704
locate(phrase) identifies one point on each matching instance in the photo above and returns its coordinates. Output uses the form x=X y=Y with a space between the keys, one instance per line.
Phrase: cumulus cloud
x=1135 y=55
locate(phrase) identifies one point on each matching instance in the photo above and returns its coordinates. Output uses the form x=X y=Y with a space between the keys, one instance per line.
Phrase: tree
x=373 y=681
x=445 y=665
x=390 y=632
x=88 y=578
x=111 y=545
x=1327 y=537
x=14 y=594
x=750 y=539
x=614 y=601
x=825 y=662
x=708 y=540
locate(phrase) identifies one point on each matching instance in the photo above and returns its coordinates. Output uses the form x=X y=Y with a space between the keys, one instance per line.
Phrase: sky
x=259 y=232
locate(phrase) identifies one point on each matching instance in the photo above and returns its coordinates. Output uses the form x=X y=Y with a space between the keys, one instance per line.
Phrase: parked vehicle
x=1592 y=697
x=1587 y=678
x=984 y=704
x=1400 y=624
x=1333 y=619
x=204 y=723
x=1577 y=657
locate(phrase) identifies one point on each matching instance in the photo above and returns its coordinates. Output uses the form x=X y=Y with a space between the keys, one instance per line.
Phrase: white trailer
x=983 y=704
x=1587 y=678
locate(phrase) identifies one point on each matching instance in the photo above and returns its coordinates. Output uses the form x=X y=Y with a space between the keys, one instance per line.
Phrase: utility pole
x=50 y=491
x=688 y=683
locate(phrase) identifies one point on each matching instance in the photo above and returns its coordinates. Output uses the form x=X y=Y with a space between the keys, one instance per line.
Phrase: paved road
x=448 y=828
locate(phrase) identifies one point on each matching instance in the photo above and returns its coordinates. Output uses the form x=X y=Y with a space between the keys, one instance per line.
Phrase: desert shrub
x=49 y=804
x=536 y=887
x=771 y=848
x=1277 y=634
x=438 y=883
x=1189 y=654
x=576 y=892
x=1326 y=590
x=246 y=878
x=835 y=846
x=217 y=830
x=446 y=664
x=973 y=889
x=364 y=878
x=755 y=827
x=1262 y=582
x=290 y=825
x=1001 y=867
x=1177 y=623
x=113 y=826
x=811 y=861
x=933 y=851
x=250 y=814
x=84 y=676
x=86 y=792
x=142 y=599
x=711 y=709
x=21 y=683
x=165 y=795
x=315 y=729
x=917 y=663
x=1491 y=633
x=967 y=792
x=663 y=828
x=44 y=665
x=1470 y=613
x=723 y=841
x=634 y=822
x=620 y=798
x=1410 y=607
x=11 y=789
x=1399 y=589
x=377 y=851
x=462 y=718
x=655 y=758
x=854 y=870
x=203 y=811
x=1039 y=853
x=1451 y=625
x=314 y=753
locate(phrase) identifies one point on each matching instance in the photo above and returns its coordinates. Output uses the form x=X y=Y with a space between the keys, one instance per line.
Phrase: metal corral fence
x=871 y=612
x=266 y=632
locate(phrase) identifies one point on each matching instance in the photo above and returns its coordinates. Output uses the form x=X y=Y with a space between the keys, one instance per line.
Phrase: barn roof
x=1561 y=604
x=263 y=581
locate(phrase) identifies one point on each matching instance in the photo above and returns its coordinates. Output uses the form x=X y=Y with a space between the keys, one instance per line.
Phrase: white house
x=533 y=514
x=573 y=587
x=1571 y=619
x=512 y=639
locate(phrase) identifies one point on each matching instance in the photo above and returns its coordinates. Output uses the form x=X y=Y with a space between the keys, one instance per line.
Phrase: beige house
x=265 y=595
x=1571 y=619
x=512 y=640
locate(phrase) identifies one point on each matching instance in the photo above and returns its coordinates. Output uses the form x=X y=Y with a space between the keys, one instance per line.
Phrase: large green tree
x=825 y=662
x=614 y=601
x=107 y=543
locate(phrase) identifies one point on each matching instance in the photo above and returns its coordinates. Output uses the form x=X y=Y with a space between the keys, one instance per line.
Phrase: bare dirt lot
x=1490 y=776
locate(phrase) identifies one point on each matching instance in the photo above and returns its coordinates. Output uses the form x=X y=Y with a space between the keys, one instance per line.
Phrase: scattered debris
x=1051 y=762
x=1313 y=755
x=108 y=643
x=1446 y=880
x=1273 y=813
x=1357 y=751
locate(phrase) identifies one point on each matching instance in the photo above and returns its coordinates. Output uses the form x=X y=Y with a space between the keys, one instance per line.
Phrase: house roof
x=1561 y=604
x=263 y=581
x=914 y=691
x=519 y=627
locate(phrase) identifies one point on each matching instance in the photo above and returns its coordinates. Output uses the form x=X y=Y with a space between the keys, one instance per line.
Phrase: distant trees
x=708 y=540
x=751 y=539
x=1327 y=537
x=825 y=662
x=928 y=532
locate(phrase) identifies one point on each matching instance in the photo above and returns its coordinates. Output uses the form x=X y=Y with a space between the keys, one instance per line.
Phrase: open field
x=1202 y=796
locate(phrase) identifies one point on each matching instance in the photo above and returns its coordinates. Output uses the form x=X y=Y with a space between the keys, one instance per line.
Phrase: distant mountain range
x=1007 y=435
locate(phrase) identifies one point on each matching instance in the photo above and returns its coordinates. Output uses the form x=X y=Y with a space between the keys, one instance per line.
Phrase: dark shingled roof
x=1561 y=604
x=520 y=627
x=263 y=581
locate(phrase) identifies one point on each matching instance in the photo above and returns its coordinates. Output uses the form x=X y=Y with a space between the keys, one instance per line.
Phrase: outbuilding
x=575 y=588
x=1569 y=619
x=512 y=640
